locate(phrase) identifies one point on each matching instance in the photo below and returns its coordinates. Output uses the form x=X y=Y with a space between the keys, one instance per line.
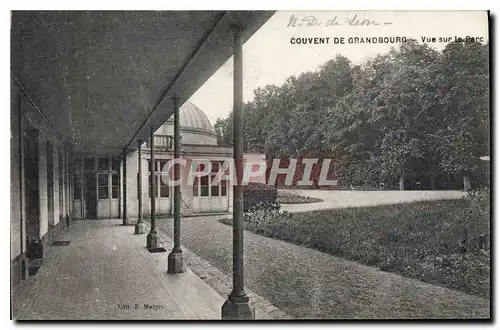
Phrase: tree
x=410 y=115
x=463 y=95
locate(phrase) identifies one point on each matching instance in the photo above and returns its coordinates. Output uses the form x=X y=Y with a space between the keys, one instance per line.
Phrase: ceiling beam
x=197 y=49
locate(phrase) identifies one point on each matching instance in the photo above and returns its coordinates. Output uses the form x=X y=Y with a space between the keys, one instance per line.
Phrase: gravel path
x=310 y=284
x=333 y=199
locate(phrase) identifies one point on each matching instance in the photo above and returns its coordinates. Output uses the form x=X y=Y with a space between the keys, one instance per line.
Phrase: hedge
x=256 y=194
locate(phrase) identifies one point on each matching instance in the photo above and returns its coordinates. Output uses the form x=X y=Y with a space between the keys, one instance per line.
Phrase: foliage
x=413 y=112
x=258 y=196
x=289 y=197
x=443 y=242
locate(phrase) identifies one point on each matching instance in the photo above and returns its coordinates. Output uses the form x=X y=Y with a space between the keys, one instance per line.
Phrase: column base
x=152 y=239
x=176 y=263
x=24 y=265
x=238 y=309
x=25 y=272
x=126 y=222
x=139 y=228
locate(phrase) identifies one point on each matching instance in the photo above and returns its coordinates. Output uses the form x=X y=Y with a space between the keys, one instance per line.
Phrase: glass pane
x=114 y=179
x=103 y=192
x=204 y=180
x=163 y=163
x=214 y=190
x=223 y=188
x=103 y=180
x=164 y=191
x=204 y=191
x=114 y=192
x=161 y=180
x=115 y=164
x=103 y=164
x=215 y=167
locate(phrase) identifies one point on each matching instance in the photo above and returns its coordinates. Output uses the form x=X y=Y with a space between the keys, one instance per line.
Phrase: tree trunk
x=433 y=181
x=402 y=182
x=467 y=183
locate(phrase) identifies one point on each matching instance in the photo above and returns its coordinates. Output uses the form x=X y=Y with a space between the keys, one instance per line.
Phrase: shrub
x=443 y=242
x=258 y=195
x=289 y=197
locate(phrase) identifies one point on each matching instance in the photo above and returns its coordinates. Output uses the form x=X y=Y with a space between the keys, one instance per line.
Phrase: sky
x=270 y=58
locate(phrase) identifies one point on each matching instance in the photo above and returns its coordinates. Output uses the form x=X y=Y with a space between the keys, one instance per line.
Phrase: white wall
x=77 y=209
x=42 y=182
x=55 y=174
x=132 y=184
x=16 y=209
x=64 y=173
x=114 y=208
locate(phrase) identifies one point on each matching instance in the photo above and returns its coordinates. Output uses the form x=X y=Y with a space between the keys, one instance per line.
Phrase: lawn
x=442 y=242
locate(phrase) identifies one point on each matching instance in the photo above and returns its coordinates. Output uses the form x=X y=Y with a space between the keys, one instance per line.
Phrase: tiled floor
x=107 y=273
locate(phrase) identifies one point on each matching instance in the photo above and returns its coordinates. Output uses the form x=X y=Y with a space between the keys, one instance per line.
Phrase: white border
x=199 y=5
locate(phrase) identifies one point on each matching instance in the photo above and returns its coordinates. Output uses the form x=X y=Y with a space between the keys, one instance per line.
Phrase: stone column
x=82 y=191
x=23 y=262
x=69 y=187
x=152 y=238
x=129 y=187
x=139 y=226
x=238 y=305
x=175 y=258
x=124 y=162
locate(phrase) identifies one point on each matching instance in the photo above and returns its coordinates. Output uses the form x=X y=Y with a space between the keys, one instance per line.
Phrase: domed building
x=194 y=125
x=198 y=142
x=102 y=188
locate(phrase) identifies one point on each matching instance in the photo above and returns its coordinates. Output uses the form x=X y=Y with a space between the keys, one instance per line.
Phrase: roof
x=102 y=78
x=191 y=116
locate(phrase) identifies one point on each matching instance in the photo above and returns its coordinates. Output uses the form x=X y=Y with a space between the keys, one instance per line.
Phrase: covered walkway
x=107 y=273
x=88 y=90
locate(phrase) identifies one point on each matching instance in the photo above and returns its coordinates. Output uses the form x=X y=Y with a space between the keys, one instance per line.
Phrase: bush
x=258 y=195
x=444 y=242
x=475 y=220
x=289 y=197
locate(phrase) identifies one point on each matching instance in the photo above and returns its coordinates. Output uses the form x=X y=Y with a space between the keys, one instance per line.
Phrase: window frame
x=100 y=185
x=198 y=185
x=160 y=187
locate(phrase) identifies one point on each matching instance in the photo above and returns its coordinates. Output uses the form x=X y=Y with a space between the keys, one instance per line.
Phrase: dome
x=194 y=125
x=192 y=117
